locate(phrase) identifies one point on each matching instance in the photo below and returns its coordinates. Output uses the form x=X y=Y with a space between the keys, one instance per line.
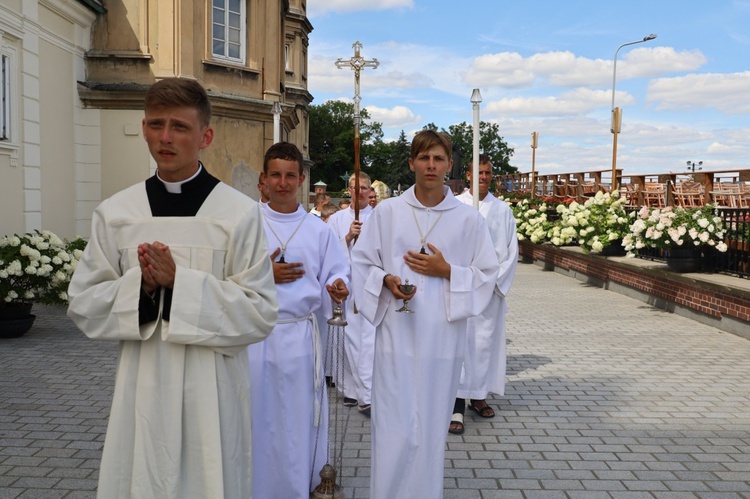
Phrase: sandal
x=485 y=411
x=365 y=409
x=457 y=424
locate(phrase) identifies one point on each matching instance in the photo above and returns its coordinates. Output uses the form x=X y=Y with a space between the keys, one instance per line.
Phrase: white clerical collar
x=176 y=187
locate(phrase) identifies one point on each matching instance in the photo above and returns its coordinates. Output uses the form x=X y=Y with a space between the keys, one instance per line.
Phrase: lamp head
x=649 y=37
x=476 y=97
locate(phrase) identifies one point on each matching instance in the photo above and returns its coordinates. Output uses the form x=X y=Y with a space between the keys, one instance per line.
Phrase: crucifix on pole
x=356 y=63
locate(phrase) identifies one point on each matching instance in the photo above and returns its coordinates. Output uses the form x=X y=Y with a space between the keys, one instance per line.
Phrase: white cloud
x=728 y=93
x=575 y=102
x=506 y=69
x=327 y=6
x=402 y=67
x=649 y=62
x=397 y=117
x=565 y=69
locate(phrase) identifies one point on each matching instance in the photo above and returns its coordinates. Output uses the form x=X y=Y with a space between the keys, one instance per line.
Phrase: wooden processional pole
x=331 y=472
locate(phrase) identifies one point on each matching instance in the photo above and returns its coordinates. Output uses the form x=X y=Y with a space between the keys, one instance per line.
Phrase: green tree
x=398 y=172
x=490 y=143
x=332 y=142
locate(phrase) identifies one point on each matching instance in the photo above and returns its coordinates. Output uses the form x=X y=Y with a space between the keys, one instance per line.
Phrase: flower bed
x=603 y=220
x=37 y=267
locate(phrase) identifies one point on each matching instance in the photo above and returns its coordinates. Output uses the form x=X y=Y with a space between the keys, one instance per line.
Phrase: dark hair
x=179 y=92
x=426 y=139
x=283 y=150
x=483 y=160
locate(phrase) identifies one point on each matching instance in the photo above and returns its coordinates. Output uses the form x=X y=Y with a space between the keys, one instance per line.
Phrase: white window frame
x=288 y=57
x=220 y=14
x=5 y=97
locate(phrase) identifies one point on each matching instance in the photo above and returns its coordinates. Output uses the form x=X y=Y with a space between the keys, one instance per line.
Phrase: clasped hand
x=157 y=266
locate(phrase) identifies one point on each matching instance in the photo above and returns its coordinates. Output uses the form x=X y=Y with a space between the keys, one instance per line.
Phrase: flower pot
x=15 y=320
x=15 y=328
x=615 y=248
x=15 y=310
x=683 y=260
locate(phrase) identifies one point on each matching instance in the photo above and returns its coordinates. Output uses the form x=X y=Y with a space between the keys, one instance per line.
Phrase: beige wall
x=56 y=94
x=38 y=171
x=234 y=157
x=11 y=194
x=125 y=156
x=76 y=145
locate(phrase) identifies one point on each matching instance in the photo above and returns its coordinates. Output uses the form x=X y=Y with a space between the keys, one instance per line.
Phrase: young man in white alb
x=359 y=343
x=289 y=409
x=484 y=366
x=443 y=248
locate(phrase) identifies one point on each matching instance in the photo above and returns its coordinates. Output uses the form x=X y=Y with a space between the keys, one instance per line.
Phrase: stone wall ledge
x=718 y=300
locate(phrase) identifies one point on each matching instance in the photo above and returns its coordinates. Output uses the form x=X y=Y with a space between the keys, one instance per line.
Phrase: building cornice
x=72 y=10
x=94 y=6
x=129 y=96
x=298 y=94
x=300 y=18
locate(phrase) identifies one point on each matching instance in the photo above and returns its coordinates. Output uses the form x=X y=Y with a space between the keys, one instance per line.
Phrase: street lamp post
x=534 y=143
x=616 y=111
x=276 y=109
x=476 y=99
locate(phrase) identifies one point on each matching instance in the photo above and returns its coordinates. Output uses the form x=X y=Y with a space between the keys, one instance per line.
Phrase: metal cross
x=357 y=63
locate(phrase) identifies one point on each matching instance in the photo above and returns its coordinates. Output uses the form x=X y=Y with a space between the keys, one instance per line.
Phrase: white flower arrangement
x=37 y=267
x=596 y=223
x=667 y=228
x=531 y=223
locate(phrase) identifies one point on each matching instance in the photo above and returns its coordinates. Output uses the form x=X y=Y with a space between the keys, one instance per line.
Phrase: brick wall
x=710 y=299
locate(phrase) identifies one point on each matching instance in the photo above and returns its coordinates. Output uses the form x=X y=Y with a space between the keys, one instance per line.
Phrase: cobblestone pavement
x=606 y=397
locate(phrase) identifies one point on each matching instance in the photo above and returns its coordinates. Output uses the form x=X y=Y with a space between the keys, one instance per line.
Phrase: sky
x=546 y=66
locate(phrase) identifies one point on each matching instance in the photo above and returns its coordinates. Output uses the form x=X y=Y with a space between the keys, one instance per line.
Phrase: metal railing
x=736 y=260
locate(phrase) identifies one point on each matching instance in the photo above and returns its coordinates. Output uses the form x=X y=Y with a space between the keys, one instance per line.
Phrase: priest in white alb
x=442 y=247
x=177 y=271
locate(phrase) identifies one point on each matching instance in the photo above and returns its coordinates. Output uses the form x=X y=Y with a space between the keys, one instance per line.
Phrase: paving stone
x=606 y=397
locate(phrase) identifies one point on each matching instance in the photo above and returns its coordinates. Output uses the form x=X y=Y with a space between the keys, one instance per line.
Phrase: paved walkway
x=606 y=397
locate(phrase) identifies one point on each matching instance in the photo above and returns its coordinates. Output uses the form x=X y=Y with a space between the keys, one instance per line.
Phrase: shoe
x=349 y=402
x=485 y=411
x=457 y=424
x=365 y=409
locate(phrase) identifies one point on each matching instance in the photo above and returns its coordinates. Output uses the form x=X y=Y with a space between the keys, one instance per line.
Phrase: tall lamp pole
x=276 y=109
x=476 y=99
x=616 y=111
x=534 y=144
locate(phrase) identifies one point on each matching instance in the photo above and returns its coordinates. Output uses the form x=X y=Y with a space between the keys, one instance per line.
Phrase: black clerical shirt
x=166 y=204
